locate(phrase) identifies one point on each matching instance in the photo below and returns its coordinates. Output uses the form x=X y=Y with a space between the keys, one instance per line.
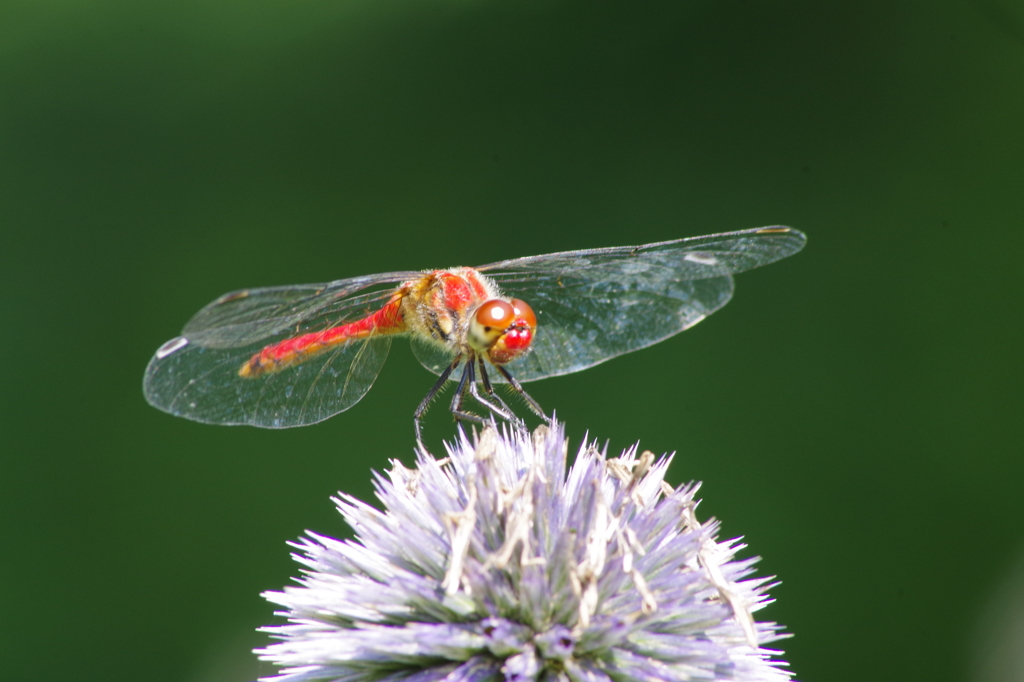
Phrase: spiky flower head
x=493 y=564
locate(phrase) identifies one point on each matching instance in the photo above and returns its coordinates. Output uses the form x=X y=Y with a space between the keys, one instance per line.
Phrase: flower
x=493 y=564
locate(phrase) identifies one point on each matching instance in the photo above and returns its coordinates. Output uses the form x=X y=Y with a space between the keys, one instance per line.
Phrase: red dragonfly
x=296 y=355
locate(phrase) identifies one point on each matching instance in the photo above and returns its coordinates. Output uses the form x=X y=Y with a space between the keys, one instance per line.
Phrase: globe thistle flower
x=496 y=564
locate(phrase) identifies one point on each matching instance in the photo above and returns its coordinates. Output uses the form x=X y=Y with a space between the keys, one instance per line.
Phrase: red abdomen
x=278 y=356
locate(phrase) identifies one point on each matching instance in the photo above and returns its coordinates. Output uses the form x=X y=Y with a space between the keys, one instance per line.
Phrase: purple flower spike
x=495 y=565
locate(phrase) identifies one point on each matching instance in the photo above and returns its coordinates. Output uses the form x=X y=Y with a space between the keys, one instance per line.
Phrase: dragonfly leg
x=425 y=403
x=518 y=388
x=468 y=379
x=501 y=408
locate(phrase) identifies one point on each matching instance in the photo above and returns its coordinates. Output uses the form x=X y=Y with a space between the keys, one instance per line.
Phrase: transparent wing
x=196 y=375
x=434 y=357
x=705 y=257
x=595 y=304
x=243 y=317
x=202 y=383
x=581 y=323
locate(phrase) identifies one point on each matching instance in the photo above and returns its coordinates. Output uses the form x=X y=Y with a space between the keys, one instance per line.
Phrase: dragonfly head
x=503 y=330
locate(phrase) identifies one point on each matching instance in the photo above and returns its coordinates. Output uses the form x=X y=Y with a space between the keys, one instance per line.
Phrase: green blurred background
x=855 y=412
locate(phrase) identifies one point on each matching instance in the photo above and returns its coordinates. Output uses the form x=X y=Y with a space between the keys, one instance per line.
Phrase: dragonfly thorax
x=466 y=313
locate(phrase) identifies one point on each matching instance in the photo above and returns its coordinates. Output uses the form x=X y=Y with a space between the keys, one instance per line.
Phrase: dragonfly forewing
x=251 y=315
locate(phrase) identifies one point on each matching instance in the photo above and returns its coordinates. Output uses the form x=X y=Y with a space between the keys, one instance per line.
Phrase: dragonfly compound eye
x=488 y=323
x=524 y=312
x=517 y=336
x=495 y=314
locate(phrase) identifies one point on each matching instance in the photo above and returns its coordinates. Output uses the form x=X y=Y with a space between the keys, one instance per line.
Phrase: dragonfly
x=287 y=356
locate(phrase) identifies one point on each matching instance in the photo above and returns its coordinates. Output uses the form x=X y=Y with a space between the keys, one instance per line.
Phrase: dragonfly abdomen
x=284 y=354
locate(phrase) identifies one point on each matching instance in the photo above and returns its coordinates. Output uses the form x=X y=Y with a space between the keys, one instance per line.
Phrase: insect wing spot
x=233 y=296
x=700 y=258
x=171 y=346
